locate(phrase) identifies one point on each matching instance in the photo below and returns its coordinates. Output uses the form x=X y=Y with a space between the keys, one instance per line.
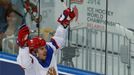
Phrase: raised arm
x=61 y=33
x=58 y=40
x=23 y=58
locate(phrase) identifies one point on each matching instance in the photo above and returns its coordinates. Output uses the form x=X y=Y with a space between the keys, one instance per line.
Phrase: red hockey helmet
x=23 y=34
x=36 y=42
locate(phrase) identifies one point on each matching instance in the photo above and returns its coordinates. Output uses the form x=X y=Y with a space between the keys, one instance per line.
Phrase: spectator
x=9 y=18
x=12 y=17
x=4 y=5
x=9 y=33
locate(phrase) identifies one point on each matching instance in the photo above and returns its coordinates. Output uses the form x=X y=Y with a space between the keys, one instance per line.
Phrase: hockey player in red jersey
x=37 y=56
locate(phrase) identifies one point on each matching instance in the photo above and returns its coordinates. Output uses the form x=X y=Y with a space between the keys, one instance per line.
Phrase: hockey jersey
x=33 y=66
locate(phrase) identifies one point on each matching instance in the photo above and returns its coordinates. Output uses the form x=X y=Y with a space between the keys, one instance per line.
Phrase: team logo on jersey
x=51 y=71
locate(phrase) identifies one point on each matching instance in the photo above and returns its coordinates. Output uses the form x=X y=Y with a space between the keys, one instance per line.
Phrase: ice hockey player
x=36 y=56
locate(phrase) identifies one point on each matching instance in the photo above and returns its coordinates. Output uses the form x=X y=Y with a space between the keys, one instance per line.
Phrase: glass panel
x=86 y=49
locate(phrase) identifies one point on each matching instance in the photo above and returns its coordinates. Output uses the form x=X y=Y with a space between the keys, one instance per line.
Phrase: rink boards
x=8 y=66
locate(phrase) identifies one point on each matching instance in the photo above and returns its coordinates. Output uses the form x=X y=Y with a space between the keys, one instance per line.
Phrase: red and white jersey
x=32 y=66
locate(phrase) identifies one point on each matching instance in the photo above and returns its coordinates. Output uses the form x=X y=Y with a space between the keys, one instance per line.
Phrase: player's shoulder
x=51 y=45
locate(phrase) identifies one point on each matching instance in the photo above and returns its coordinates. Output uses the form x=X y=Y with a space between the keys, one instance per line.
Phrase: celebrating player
x=37 y=56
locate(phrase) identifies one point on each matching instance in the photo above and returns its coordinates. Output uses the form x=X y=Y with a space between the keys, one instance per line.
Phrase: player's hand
x=23 y=34
x=67 y=16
